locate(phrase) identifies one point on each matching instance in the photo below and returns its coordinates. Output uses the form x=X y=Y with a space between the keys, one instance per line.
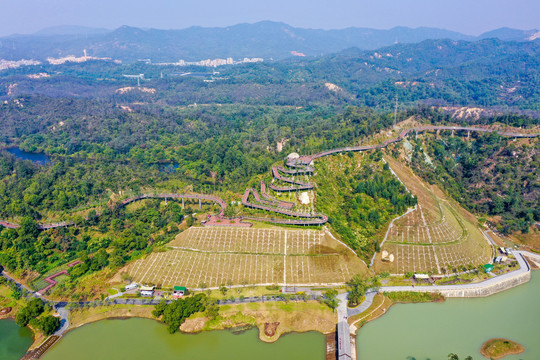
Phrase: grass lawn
x=379 y=307
x=292 y=317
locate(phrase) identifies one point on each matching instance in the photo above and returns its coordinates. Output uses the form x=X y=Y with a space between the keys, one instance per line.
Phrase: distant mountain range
x=266 y=39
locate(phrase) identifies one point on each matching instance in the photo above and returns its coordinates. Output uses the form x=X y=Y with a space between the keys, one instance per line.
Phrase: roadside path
x=342 y=308
x=523 y=268
x=64 y=319
x=344 y=346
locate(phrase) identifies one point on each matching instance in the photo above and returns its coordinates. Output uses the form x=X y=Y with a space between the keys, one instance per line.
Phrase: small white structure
x=387 y=257
x=498 y=259
x=147 y=291
x=304 y=198
x=293 y=156
x=131 y=286
x=421 y=276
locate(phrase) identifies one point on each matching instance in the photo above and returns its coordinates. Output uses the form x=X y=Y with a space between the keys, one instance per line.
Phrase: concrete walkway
x=523 y=268
x=344 y=345
x=370 y=295
x=343 y=331
x=342 y=307
x=531 y=255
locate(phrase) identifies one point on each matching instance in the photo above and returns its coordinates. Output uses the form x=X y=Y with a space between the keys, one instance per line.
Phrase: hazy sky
x=468 y=16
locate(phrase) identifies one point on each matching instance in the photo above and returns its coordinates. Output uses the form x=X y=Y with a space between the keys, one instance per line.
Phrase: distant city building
x=212 y=62
x=7 y=64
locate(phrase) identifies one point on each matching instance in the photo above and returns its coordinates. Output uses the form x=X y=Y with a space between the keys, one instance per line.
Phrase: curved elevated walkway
x=311 y=219
x=299 y=185
x=127 y=201
x=300 y=165
x=305 y=160
x=281 y=203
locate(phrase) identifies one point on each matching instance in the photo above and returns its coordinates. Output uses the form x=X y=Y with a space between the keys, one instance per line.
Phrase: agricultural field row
x=256 y=241
x=192 y=269
x=436 y=237
x=414 y=228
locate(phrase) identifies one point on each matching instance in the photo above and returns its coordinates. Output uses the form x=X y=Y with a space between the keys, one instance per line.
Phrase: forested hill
x=266 y=39
x=489 y=74
x=483 y=73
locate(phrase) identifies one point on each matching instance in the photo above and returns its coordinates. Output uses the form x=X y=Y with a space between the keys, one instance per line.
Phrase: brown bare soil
x=291 y=317
x=270 y=329
x=5 y=311
x=530 y=240
x=38 y=336
x=439 y=236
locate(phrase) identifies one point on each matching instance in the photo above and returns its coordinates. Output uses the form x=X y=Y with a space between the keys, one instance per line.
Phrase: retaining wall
x=491 y=289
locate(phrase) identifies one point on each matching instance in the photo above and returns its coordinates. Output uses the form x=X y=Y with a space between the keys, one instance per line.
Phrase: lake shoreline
x=117 y=339
x=516 y=303
x=199 y=324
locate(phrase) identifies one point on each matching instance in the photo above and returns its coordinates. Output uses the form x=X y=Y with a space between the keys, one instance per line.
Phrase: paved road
x=64 y=319
x=342 y=307
x=530 y=254
x=345 y=312
x=21 y=287
x=523 y=268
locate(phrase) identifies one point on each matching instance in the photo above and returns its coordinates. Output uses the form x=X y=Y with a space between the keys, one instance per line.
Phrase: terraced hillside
x=361 y=196
x=437 y=236
x=241 y=256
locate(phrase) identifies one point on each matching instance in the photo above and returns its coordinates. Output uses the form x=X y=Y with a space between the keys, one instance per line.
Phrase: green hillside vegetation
x=108 y=241
x=360 y=195
x=176 y=313
x=488 y=174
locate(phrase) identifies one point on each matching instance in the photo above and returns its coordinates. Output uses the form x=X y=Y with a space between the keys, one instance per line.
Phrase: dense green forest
x=109 y=240
x=488 y=174
x=101 y=153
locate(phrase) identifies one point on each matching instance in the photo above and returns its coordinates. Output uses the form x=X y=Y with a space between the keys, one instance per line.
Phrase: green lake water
x=407 y=332
x=14 y=340
x=433 y=330
x=135 y=339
